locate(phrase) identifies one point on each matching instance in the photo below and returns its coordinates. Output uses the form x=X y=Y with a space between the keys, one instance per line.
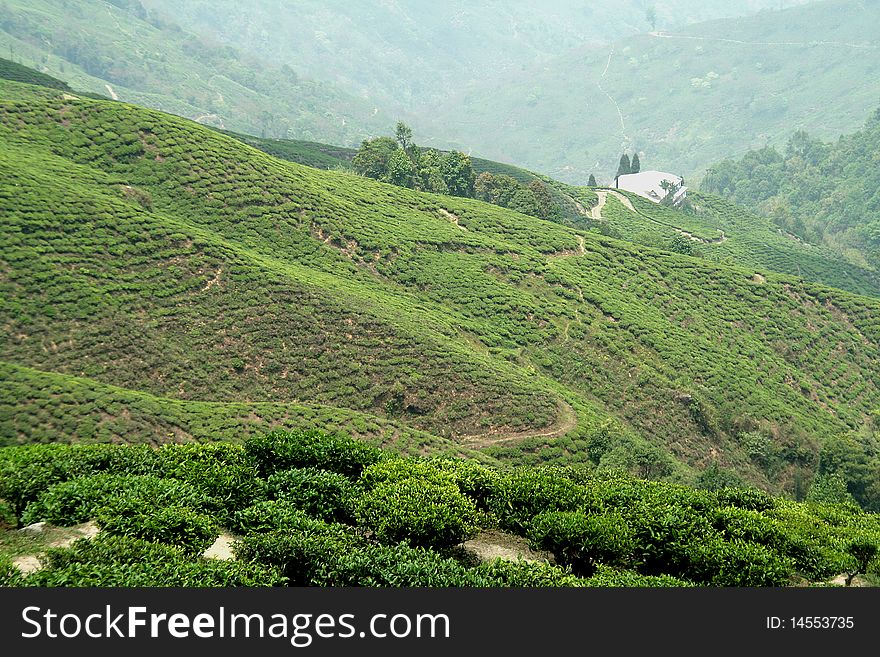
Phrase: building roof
x=647 y=184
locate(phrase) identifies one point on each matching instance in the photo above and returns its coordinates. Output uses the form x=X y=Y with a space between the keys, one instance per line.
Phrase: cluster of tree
x=401 y=162
x=533 y=199
x=627 y=166
x=820 y=192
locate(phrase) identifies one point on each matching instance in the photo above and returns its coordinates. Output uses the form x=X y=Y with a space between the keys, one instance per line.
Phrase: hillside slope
x=119 y=50
x=685 y=98
x=825 y=193
x=144 y=252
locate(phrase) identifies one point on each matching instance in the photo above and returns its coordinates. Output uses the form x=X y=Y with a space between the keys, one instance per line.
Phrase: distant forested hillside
x=122 y=50
x=823 y=192
x=684 y=98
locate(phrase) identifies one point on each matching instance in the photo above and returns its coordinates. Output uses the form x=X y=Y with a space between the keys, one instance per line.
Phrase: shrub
x=271 y=515
x=420 y=513
x=189 y=530
x=301 y=556
x=78 y=500
x=281 y=450
x=524 y=574
x=521 y=495
x=27 y=471
x=606 y=576
x=221 y=470
x=746 y=525
x=9 y=574
x=737 y=563
x=396 y=566
x=128 y=562
x=582 y=541
x=320 y=493
x=751 y=499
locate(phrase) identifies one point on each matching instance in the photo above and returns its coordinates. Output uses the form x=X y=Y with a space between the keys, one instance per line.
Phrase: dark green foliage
x=282 y=450
x=10 y=70
x=581 y=540
x=525 y=493
x=319 y=493
x=77 y=500
x=120 y=561
x=816 y=191
x=191 y=531
x=592 y=181
x=624 y=167
x=10 y=575
x=271 y=515
x=423 y=513
x=635 y=165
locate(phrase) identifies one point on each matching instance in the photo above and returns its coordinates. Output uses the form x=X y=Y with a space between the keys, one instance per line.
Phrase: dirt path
x=494 y=544
x=566 y=420
x=839 y=44
x=623 y=135
x=451 y=217
x=111 y=92
x=49 y=536
x=221 y=548
x=596 y=213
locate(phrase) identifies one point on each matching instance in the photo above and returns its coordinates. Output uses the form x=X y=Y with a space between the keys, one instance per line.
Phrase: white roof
x=647 y=183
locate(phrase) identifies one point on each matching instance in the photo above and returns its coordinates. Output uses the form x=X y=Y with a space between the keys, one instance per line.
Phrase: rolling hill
x=150 y=259
x=119 y=49
x=684 y=98
x=825 y=193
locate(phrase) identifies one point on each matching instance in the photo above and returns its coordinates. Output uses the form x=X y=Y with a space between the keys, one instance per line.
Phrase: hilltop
x=684 y=97
x=149 y=258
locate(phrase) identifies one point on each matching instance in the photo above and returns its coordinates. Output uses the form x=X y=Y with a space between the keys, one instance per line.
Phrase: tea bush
x=320 y=493
x=282 y=450
x=582 y=541
x=189 y=530
x=418 y=512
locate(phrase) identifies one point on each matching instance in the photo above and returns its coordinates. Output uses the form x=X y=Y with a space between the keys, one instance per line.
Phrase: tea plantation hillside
x=316 y=509
x=147 y=257
x=709 y=228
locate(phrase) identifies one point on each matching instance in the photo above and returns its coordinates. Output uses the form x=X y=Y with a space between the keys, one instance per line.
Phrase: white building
x=650 y=185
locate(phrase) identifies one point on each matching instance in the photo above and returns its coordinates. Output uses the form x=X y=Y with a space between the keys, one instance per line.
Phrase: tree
x=544 y=201
x=373 y=156
x=624 y=167
x=400 y=169
x=671 y=188
x=429 y=178
x=635 y=166
x=403 y=134
x=458 y=173
x=592 y=181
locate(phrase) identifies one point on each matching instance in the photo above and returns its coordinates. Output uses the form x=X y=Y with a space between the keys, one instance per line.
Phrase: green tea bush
x=396 y=566
x=606 y=576
x=418 y=512
x=282 y=450
x=9 y=574
x=78 y=500
x=392 y=470
x=746 y=525
x=751 y=499
x=271 y=515
x=737 y=563
x=524 y=574
x=191 y=531
x=582 y=541
x=122 y=561
x=301 y=556
x=521 y=495
x=320 y=493
x=27 y=471
x=221 y=470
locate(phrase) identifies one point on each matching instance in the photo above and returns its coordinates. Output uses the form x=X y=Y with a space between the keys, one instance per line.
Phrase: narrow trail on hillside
x=566 y=420
x=596 y=213
x=840 y=44
x=625 y=138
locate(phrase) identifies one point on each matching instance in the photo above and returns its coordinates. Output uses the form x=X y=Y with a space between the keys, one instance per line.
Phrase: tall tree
x=592 y=181
x=635 y=166
x=624 y=167
x=458 y=173
x=373 y=156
